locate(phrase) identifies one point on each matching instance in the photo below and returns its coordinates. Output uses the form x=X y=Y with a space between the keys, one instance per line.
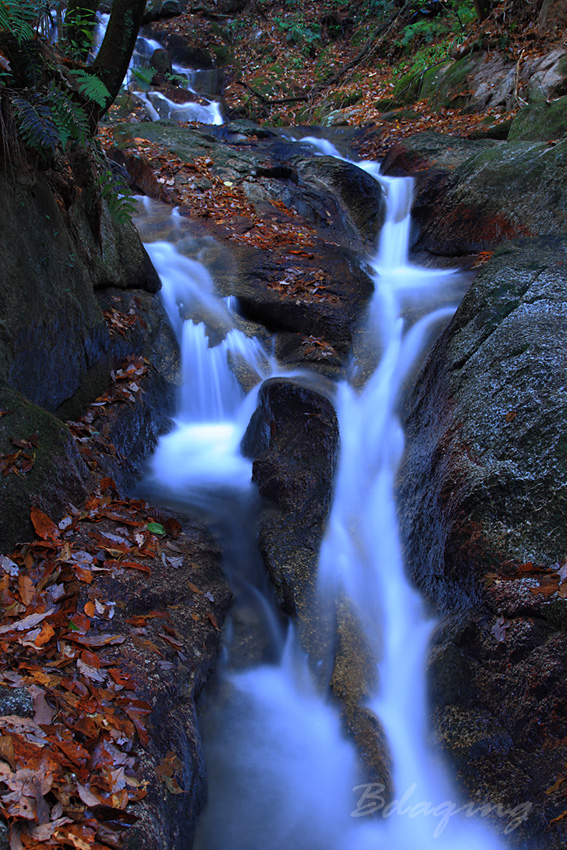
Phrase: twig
x=519 y=100
x=267 y=100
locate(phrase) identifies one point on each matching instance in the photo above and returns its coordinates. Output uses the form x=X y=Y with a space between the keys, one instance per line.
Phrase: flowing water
x=281 y=773
x=157 y=104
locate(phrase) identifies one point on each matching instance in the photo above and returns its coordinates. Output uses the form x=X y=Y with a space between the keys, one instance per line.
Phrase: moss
x=57 y=476
x=446 y=86
x=407 y=89
x=540 y=122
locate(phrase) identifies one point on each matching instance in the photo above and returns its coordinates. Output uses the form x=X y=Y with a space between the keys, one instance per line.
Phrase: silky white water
x=281 y=773
x=157 y=104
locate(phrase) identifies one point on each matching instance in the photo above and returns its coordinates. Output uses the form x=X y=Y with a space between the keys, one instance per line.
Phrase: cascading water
x=157 y=104
x=281 y=774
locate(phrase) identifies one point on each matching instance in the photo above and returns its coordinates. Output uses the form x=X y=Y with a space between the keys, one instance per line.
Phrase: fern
x=36 y=123
x=16 y=18
x=117 y=195
x=91 y=87
x=69 y=117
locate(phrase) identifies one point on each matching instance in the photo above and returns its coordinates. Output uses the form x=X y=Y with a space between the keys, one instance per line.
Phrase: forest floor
x=291 y=63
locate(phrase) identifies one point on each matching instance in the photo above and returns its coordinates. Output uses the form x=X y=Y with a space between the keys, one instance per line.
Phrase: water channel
x=281 y=772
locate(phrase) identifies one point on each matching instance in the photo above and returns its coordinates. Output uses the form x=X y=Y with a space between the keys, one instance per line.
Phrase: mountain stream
x=281 y=773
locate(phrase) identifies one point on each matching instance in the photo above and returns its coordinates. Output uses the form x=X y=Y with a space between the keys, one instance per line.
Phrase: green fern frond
x=91 y=87
x=36 y=124
x=69 y=117
x=15 y=19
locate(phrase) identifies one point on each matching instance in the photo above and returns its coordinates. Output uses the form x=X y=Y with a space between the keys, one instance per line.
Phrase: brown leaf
x=7 y=750
x=43 y=525
x=213 y=620
x=173 y=528
x=26 y=588
x=170 y=765
x=45 y=635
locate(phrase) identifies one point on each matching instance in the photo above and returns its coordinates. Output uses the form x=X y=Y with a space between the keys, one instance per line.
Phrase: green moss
x=540 y=122
x=407 y=88
x=447 y=85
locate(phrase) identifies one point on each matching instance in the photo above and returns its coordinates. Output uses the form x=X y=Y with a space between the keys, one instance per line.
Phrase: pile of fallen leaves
x=67 y=771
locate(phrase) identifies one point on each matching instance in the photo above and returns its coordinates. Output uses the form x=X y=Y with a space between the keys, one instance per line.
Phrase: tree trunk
x=482 y=8
x=113 y=58
x=79 y=26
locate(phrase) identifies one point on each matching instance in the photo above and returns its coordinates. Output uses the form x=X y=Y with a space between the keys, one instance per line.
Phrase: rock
x=320 y=199
x=547 y=76
x=158 y=9
x=506 y=190
x=479 y=81
x=15 y=701
x=483 y=490
x=540 y=122
x=186 y=54
x=360 y=193
x=293 y=438
x=53 y=333
x=161 y=62
x=552 y=15
x=57 y=475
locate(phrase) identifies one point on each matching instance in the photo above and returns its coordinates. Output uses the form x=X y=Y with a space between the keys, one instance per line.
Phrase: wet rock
x=161 y=62
x=293 y=438
x=56 y=475
x=186 y=54
x=361 y=194
x=483 y=488
x=158 y=9
x=353 y=681
x=319 y=290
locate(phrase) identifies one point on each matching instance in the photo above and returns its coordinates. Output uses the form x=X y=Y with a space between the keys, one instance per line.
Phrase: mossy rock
x=542 y=122
x=387 y=104
x=57 y=476
x=446 y=86
x=407 y=89
x=223 y=54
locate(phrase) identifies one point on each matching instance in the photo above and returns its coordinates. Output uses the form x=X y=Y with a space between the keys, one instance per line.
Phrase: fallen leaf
x=7 y=750
x=43 y=525
x=27 y=623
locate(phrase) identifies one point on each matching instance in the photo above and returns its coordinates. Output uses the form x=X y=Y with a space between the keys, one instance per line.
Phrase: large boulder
x=506 y=190
x=543 y=121
x=53 y=333
x=483 y=490
x=547 y=76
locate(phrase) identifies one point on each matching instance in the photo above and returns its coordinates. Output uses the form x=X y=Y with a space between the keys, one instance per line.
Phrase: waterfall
x=157 y=104
x=202 y=449
x=281 y=773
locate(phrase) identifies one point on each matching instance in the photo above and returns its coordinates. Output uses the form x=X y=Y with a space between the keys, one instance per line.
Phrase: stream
x=281 y=773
